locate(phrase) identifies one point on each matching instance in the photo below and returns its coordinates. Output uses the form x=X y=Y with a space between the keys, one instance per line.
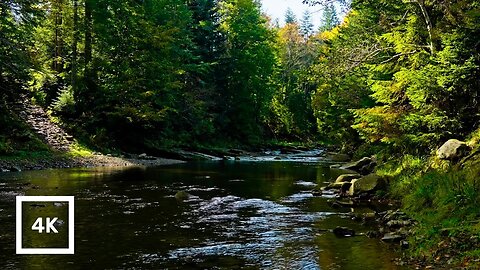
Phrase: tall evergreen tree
x=306 y=25
x=290 y=16
x=329 y=18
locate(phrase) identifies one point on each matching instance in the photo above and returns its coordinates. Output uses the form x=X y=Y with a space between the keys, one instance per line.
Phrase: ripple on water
x=260 y=231
x=305 y=184
x=298 y=197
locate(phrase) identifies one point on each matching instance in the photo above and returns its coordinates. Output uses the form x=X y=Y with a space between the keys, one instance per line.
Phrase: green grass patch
x=445 y=200
x=79 y=150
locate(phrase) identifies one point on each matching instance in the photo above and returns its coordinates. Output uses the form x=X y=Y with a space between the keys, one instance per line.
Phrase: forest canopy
x=401 y=75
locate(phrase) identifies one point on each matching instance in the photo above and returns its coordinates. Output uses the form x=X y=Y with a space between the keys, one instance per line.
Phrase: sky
x=277 y=8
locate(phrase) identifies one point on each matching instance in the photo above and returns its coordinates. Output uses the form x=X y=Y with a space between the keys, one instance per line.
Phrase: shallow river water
x=241 y=215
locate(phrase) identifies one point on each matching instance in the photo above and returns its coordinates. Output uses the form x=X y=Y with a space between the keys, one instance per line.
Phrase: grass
x=79 y=150
x=445 y=200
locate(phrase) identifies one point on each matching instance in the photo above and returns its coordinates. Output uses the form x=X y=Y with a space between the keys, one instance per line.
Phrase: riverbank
x=57 y=161
x=441 y=193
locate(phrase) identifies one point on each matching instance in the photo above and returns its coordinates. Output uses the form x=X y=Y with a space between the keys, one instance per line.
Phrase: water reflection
x=238 y=216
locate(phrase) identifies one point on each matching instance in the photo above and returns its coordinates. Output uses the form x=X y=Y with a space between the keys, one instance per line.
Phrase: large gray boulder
x=453 y=149
x=364 y=166
x=367 y=184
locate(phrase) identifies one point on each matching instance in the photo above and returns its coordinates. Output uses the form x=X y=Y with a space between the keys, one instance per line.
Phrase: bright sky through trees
x=277 y=8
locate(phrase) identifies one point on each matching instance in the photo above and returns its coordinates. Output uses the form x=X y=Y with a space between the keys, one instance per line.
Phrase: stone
x=343 y=232
x=182 y=195
x=347 y=177
x=398 y=223
x=14 y=169
x=453 y=149
x=367 y=184
x=364 y=166
x=392 y=237
x=342 y=186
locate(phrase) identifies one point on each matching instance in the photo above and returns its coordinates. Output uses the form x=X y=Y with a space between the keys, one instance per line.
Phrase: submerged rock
x=343 y=232
x=452 y=149
x=367 y=184
x=182 y=195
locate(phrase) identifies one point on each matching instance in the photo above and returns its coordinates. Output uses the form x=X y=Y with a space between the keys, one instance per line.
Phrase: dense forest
x=391 y=78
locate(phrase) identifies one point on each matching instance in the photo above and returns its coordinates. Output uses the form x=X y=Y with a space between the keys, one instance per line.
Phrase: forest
x=394 y=79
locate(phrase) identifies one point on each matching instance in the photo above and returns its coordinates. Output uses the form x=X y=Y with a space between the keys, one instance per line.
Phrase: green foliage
x=65 y=102
x=248 y=64
x=329 y=18
x=291 y=113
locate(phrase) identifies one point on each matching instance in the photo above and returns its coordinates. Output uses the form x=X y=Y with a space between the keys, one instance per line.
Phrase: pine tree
x=306 y=25
x=330 y=18
x=290 y=16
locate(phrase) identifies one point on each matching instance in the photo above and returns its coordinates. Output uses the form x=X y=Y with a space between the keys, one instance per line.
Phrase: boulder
x=367 y=184
x=342 y=186
x=452 y=150
x=364 y=166
x=347 y=177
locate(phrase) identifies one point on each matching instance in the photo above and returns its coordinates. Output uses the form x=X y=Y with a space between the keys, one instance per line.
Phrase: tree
x=248 y=65
x=291 y=111
x=306 y=25
x=330 y=18
x=290 y=16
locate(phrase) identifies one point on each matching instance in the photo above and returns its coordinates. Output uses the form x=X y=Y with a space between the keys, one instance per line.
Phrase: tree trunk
x=75 y=46
x=88 y=36
x=428 y=22
x=58 y=61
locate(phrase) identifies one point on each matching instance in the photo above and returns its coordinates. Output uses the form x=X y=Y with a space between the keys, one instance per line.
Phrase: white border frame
x=71 y=219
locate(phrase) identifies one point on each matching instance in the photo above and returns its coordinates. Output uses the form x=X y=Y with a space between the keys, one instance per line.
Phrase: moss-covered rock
x=367 y=184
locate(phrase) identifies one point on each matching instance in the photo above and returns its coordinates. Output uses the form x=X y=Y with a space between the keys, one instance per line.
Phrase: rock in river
x=343 y=232
x=367 y=184
x=347 y=177
x=364 y=166
x=182 y=195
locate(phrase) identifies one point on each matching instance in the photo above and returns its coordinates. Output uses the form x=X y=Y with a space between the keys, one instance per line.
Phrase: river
x=240 y=215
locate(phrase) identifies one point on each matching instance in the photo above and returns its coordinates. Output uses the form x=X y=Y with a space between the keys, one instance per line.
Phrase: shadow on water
x=239 y=215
